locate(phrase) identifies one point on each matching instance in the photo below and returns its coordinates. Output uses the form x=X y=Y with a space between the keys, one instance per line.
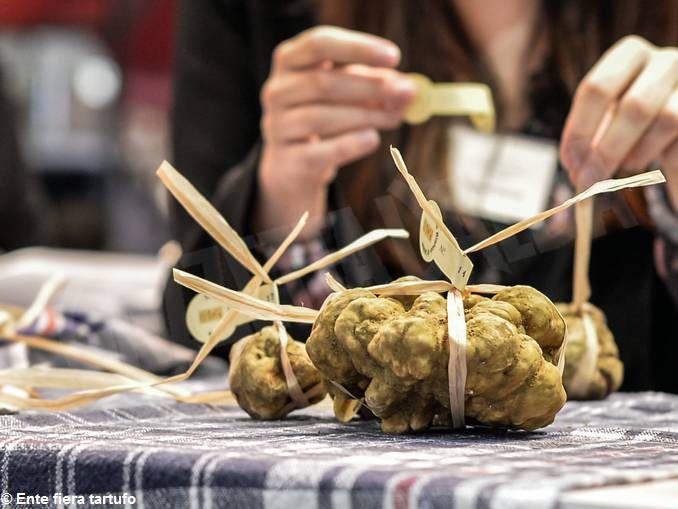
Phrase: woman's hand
x=625 y=115
x=329 y=92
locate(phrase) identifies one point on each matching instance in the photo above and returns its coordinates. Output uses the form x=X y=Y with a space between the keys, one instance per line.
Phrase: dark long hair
x=434 y=42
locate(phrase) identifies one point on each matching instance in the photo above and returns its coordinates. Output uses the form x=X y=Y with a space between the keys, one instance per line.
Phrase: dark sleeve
x=215 y=120
x=222 y=59
x=665 y=219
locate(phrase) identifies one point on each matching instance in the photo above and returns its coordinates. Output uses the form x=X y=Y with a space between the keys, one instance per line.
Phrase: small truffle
x=256 y=376
x=605 y=373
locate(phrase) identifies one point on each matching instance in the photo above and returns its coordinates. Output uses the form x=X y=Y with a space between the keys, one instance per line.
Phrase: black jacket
x=223 y=58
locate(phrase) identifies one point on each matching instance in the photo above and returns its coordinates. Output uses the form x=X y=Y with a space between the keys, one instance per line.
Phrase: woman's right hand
x=329 y=92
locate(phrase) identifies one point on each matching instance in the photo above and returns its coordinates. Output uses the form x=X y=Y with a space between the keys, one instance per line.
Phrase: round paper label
x=202 y=315
x=420 y=109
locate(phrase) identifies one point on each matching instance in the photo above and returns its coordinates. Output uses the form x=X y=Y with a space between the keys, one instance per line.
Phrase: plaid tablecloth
x=147 y=451
x=165 y=454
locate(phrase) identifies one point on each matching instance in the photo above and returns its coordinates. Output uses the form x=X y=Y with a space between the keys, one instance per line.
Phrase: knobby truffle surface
x=608 y=374
x=394 y=352
x=257 y=379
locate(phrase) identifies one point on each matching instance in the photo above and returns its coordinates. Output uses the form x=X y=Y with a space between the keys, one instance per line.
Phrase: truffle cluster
x=607 y=371
x=394 y=352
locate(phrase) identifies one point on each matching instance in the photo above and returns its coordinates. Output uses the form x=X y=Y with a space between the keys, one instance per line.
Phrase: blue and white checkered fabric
x=168 y=454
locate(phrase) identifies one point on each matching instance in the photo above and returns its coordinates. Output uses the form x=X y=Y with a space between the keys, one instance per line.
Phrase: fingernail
x=390 y=52
x=405 y=88
x=401 y=94
x=369 y=137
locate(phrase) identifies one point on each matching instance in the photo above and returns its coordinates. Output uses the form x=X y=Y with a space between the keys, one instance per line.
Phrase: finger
x=657 y=139
x=338 y=45
x=636 y=111
x=386 y=87
x=669 y=165
x=319 y=159
x=669 y=158
x=325 y=120
x=603 y=84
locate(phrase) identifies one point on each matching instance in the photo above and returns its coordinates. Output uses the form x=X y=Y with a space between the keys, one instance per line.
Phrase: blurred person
x=275 y=114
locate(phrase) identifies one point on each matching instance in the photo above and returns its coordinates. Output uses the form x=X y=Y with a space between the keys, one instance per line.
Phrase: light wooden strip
x=47 y=291
x=485 y=288
x=456 y=364
x=604 y=186
x=357 y=245
x=420 y=197
x=293 y=388
x=231 y=315
x=45 y=377
x=209 y=218
x=244 y=303
x=586 y=367
x=81 y=354
x=411 y=287
x=66 y=402
x=581 y=286
x=335 y=285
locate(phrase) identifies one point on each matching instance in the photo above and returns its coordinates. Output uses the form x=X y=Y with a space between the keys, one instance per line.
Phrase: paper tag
x=504 y=178
x=472 y=99
x=434 y=245
x=203 y=313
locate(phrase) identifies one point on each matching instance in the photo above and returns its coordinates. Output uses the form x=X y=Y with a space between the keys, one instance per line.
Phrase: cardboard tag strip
x=226 y=323
x=410 y=288
x=472 y=99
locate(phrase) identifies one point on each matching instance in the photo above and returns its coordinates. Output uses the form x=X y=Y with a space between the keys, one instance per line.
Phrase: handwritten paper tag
x=435 y=246
x=203 y=313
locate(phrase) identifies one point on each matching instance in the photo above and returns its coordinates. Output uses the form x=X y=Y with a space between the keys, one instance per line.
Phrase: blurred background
x=85 y=92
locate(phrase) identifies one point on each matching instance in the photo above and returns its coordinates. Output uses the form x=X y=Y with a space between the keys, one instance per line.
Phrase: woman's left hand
x=624 y=115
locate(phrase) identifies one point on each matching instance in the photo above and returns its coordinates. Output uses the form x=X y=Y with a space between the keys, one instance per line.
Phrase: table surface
x=618 y=453
x=171 y=454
